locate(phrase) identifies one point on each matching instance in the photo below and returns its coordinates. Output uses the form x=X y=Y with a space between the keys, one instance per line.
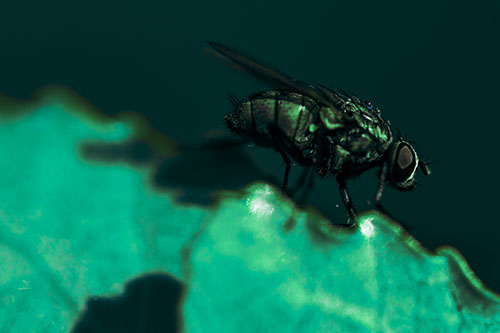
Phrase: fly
x=331 y=130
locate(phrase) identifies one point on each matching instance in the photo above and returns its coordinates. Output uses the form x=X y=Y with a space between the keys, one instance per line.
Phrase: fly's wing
x=330 y=116
x=270 y=75
x=338 y=95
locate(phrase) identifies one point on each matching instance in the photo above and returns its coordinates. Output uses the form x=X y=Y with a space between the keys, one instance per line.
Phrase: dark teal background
x=431 y=66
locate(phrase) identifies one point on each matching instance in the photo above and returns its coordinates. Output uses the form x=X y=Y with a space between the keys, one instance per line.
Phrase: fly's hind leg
x=346 y=198
x=281 y=149
x=286 y=150
x=288 y=163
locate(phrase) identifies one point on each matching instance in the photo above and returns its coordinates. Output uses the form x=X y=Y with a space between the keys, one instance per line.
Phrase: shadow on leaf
x=149 y=304
x=196 y=174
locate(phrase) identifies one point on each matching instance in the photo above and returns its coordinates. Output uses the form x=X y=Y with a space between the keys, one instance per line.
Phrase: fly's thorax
x=338 y=157
x=360 y=142
x=369 y=134
x=372 y=122
x=331 y=118
x=357 y=132
x=354 y=145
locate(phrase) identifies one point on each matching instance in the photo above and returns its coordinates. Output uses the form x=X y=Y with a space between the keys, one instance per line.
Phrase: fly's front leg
x=346 y=198
x=382 y=176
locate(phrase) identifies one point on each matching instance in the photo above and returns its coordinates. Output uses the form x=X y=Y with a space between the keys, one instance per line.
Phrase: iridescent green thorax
x=364 y=136
x=374 y=130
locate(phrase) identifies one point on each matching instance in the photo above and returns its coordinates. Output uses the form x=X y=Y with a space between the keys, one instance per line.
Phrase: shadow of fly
x=330 y=130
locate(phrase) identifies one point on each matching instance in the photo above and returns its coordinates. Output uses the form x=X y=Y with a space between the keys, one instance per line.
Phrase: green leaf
x=72 y=228
x=262 y=265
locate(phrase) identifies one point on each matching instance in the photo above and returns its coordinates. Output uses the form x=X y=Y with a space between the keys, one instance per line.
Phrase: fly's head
x=403 y=162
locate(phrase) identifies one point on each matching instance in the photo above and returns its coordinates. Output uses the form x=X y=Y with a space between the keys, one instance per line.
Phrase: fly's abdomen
x=291 y=113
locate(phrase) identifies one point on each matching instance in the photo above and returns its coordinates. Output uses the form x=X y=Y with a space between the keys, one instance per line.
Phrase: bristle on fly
x=233 y=99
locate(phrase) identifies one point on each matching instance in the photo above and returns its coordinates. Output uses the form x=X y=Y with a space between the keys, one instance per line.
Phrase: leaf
x=73 y=228
x=250 y=272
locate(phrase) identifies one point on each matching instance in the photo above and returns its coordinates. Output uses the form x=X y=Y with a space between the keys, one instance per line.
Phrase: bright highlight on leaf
x=366 y=227
x=258 y=203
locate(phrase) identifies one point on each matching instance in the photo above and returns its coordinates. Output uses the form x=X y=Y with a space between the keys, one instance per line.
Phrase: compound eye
x=406 y=163
x=405 y=157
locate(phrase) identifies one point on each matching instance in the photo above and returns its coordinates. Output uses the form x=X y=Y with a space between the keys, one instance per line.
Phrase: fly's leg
x=280 y=138
x=287 y=171
x=346 y=198
x=382 y=178
x=278 y=145
x=285 y=149
x=288 y=163
x=378 y=196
